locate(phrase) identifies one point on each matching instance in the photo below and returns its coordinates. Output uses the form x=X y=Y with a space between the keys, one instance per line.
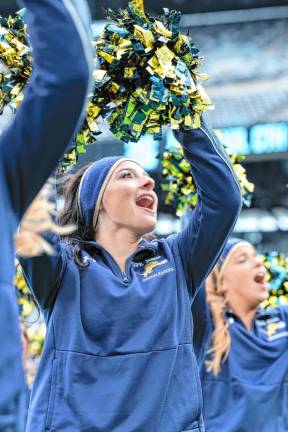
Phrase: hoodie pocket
x=123 y=393
x=52 y=394
x=119 y=393
x=183 y=403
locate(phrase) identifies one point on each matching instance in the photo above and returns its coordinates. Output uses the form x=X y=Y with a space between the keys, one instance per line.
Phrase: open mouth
x=260 y=277
x=145 y=201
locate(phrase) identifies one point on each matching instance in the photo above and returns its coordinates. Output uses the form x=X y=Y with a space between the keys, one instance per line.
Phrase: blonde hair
x=221 y=339
x=38 y=219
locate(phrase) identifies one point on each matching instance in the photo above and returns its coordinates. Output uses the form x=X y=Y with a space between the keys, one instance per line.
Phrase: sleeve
x=11 y=372
x=202 y=324
x=219 y=203
x=43 y=274
x=53 y=100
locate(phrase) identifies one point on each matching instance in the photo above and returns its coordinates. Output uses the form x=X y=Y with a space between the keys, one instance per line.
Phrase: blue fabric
x=231 y=243
x=202 y=324
x=11 y=373
x=251 y=391
x=30 y=149
x=91 y=186
x=118 y=354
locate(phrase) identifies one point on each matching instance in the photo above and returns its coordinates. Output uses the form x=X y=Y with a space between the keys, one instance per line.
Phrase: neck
x=119 y=242
x=246 y=314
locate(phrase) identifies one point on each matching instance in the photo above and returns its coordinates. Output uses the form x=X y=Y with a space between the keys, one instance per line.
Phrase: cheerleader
x=244 y=378
x=118 y=354
x=30 y=148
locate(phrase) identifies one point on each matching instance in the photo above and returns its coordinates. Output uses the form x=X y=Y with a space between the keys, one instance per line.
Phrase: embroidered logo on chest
x=151 y=268
x=273 y=327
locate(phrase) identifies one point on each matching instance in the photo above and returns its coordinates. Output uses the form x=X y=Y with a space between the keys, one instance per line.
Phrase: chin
x=262 y=298
x=265 y=296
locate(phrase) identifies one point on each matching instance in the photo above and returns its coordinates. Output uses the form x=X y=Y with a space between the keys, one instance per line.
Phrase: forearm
x=53 y=102
x=219 y=201
x=211 y=168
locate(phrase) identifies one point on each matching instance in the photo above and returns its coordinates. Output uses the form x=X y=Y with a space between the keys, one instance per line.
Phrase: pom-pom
x=148 y=76
x=179 y=184
x=277 y=278
x=16 y=60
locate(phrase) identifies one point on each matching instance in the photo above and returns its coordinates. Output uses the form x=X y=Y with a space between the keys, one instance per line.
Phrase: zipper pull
x=124 y=277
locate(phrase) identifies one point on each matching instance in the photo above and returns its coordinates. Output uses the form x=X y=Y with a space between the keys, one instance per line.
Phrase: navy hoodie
x=118 y=355
x=30 y=148
x=251 y=391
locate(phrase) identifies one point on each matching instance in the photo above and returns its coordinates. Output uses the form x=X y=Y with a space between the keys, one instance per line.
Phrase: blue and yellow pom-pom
x=148 y=75
x=276 y=264
x=179 y=185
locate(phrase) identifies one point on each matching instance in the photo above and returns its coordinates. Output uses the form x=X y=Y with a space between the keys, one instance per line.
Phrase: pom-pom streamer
x=179 y=184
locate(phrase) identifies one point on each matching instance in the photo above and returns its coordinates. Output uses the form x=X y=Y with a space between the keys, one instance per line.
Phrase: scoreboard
x=258 y=139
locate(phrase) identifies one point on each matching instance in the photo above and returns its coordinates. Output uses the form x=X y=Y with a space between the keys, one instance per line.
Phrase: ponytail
x=221 y=339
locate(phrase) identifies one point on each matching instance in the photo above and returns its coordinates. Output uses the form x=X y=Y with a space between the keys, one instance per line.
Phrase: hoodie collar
x=144 y=250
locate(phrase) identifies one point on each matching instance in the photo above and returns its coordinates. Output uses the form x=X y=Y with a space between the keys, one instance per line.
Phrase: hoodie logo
x=149 y=267
x=273 y=327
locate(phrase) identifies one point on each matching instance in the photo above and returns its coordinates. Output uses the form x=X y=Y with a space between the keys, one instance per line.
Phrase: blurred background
x=245 y=48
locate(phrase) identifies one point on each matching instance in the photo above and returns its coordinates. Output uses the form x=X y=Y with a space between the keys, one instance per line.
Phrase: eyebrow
x=239 y=254
x=132 y=170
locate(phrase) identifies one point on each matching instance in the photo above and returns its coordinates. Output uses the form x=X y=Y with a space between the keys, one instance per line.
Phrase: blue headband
x=232 y=244
x=93 y=185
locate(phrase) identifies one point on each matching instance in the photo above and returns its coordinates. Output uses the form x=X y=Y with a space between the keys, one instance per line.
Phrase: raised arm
x=54 y=98
x=219 y=203
x=29 y=150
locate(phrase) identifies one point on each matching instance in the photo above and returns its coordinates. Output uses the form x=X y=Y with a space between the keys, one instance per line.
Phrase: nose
x=259 y=261
x=147 y=183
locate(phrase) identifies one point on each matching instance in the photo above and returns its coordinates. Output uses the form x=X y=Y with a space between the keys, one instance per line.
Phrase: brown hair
x=70 y=215
x=221 y=339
